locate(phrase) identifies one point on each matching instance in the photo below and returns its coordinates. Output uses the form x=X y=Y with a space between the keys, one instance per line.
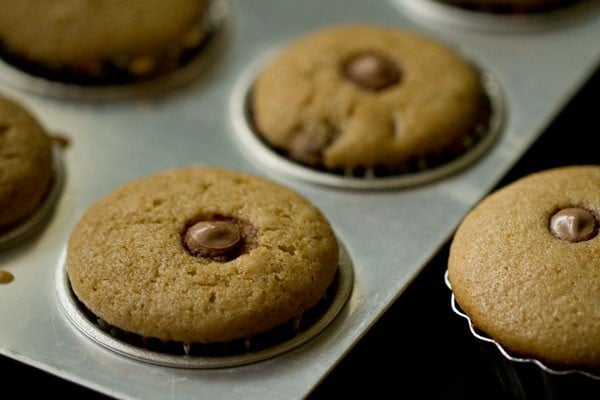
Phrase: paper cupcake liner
x=505 y=353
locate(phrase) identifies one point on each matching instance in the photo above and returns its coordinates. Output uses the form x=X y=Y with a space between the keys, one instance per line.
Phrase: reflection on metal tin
x=367 y=179
x=210 y=356
x=191 y=66
x=511 y=357
x=29 y=226
x=448 y=13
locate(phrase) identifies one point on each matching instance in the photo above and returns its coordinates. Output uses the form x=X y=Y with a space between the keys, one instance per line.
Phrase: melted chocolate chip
x=218 y=240
x=574 y=224
x=371 y=71
x=309 y=141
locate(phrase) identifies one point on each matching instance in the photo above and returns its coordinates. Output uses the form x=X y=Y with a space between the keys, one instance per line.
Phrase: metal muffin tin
x=389 y=233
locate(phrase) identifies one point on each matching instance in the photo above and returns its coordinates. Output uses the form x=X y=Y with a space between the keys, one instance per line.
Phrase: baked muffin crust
x=127 y=261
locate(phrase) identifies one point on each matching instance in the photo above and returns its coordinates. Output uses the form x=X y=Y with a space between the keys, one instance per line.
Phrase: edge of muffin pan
x=11 y=236
x=484 y=20
x=188 y=71
x=217 y=355
x=240 y=116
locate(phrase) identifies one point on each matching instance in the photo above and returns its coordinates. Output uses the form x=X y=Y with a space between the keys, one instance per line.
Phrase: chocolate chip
x=219 y=240
x=371 y=71
x=574 y=224
x=309 y=141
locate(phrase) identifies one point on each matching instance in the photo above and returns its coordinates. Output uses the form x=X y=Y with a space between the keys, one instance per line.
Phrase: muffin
x=363 y=100
x=523 y=268
x=101 y=41
x=198 y=256
x=26 y=165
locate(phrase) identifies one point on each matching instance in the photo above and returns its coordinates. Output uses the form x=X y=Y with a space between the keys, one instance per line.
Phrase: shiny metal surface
x=389 y=234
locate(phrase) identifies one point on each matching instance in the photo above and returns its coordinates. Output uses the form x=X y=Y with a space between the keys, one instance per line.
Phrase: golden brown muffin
x=201 y=255
x=355 y=97
x=26 y=163
x=96 y=41
x=524 y=266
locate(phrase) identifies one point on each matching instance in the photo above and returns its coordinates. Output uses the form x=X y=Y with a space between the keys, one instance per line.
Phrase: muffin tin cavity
x=117 y=81
x=498 y=18
x=419 y=171
x=11 y=236
x=215 y=355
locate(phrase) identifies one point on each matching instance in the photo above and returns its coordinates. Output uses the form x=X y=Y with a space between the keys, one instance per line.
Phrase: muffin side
x=26 y=163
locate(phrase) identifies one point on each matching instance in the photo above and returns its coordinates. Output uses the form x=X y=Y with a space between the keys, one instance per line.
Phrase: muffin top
x=524 y=267
x=26 y=164
x=79 y=31
x=366 y=96
x=201 y=255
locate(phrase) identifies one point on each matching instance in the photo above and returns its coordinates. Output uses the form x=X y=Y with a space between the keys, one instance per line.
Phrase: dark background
x=420 y=348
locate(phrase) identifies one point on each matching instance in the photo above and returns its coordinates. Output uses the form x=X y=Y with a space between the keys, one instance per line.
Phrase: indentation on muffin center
x=218 y=237
x=574 y=224
x=371 y=70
